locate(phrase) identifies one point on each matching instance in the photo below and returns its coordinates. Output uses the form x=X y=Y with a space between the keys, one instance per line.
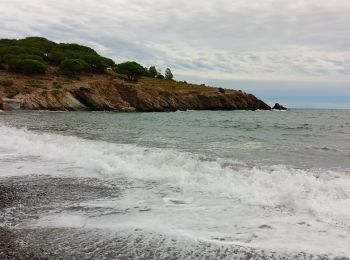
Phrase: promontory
x=44 y=75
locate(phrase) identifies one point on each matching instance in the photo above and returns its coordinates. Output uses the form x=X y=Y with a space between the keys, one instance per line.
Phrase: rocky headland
x=36 y=73
x=112 y=92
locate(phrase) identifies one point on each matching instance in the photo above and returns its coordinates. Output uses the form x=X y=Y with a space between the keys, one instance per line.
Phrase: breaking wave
x=227 y=196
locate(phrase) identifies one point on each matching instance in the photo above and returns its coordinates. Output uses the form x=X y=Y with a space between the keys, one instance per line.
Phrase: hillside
x=49 y=76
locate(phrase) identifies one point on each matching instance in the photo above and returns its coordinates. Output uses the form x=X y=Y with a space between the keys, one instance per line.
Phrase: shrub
x=30 y=57
x=73 y=66
x=56 y=56
x=160 y=76
x=107 y=62
x=7 y=58
x=222 y=90
x=27 y=66
x=15 y=49
x=131 y=69
x=95 y=63
x=76 y=48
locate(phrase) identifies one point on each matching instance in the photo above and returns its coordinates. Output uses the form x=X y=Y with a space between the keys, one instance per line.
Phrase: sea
x=180 y=185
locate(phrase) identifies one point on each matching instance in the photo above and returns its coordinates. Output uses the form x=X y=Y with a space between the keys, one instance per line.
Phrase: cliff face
x=167 y=101
x=129 y=97
x=111 y=92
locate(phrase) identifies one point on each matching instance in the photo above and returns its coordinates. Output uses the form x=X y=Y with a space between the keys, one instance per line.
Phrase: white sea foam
x=275 y=207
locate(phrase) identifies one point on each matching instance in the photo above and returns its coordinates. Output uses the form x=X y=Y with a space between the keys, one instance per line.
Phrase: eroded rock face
x=277 y=106
x=51 y=100
x=133 y=97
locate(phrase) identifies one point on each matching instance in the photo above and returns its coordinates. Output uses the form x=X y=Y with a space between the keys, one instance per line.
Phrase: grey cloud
x=234 y=38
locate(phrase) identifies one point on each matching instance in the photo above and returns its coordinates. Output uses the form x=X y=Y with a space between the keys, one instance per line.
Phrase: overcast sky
x=295 y=52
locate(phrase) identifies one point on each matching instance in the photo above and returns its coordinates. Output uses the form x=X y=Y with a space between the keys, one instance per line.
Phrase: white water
x=180 y=194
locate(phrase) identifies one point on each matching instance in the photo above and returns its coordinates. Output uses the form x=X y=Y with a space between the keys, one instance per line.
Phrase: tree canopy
x=168 y=74
x=27 y=66
x=33 y=54
x=73 y=66
x=152 y=71
x=131 y=69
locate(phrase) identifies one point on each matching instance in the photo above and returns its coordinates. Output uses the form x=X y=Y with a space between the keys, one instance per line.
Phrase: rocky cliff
x=115 y=94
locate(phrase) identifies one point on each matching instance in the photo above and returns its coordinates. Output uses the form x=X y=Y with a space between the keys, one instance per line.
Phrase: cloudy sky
x=295 y=52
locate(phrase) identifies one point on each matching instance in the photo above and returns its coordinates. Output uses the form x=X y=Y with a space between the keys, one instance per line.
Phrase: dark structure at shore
x=10 y=104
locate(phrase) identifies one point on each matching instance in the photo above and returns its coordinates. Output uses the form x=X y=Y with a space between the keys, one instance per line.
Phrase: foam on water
x=272 y=207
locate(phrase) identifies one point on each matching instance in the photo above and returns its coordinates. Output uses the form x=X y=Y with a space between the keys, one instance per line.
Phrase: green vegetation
x=160 y=76
x=33 y=55
x=37 y=55
x=152 y=72
x=168 y=74
x=26 y=66
x=73 y=66
x=131 y=69
x=94 y=63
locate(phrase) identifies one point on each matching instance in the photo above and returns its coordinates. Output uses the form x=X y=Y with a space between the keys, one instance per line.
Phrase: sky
x=293 y=52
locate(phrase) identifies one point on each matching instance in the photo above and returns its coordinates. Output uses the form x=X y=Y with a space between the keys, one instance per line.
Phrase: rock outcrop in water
x=114 y=93
x=277 y=106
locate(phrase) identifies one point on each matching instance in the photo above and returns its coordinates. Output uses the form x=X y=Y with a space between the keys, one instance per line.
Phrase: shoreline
x=44 y=244
x=9 y=248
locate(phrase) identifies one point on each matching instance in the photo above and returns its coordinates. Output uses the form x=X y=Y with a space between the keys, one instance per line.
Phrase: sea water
x=195 y=184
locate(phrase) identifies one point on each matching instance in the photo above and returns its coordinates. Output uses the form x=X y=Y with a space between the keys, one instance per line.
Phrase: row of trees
x=134 y=70
x=153 y=72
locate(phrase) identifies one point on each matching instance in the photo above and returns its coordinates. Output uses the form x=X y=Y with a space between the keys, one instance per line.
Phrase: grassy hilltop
x=60 y=76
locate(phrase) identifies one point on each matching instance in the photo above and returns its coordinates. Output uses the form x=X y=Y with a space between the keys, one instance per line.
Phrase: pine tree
x=152 y=71
x=168 y=74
